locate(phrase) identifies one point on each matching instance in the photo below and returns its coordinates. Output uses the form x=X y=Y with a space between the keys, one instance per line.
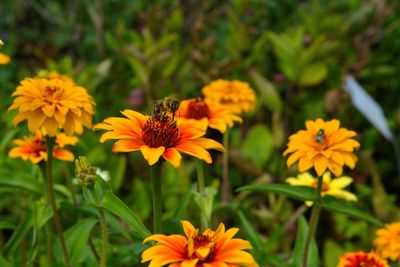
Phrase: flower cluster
x=387 y=241
x=362 y=259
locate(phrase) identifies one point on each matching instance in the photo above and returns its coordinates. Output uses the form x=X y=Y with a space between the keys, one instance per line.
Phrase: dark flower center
x=324 y=186
x=198 y=109
x=201 y=241
x=159 y=131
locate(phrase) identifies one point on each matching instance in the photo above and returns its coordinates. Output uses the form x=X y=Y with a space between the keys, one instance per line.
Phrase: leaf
x=76 y=239
x=18 y=234
x=302 y=193
x=4 y=262
x=337 y=205
x=117 y=173
x=141 y=199
x=251 y=232
x=268 y=94
x=258 y=144
x=115 y=205
x=21 y=183
x=302 y=231
x=312 y=74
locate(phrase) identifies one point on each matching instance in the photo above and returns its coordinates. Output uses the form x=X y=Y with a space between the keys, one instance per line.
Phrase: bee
x=164 y=106
x=320 y=137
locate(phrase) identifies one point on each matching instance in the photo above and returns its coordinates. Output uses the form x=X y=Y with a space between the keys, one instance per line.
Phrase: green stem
x=225 y=169
x=51 y=196
x=316 y=209
x=104 y=239
x=202 y=191
x=49 y=228
x=156 y=189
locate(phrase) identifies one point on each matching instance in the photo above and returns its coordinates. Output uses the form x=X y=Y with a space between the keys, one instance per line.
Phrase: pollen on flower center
x=51 y=93
x=198 y=109
x=200 y=247
x=201 y=241
x=160 y=131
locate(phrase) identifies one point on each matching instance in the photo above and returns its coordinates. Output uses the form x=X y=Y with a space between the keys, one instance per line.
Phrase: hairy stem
x=156 y=190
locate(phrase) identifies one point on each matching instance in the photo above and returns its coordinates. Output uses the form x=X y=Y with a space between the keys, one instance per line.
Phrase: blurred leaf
x=312 y=74
x=4 y=262
x=302 y=193
x=18 y=235
x=118 y=172
x=337 y=205
x=21 y=183
x=332 y=253
x=258 y=144
x=76 y=239
x=250 y=231
x=141 y=199
x=268 y=94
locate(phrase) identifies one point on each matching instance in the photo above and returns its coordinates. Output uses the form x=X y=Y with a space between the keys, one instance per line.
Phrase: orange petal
x=152 y=154
x=304 y=164
x=192 y=149
x=127 y=145
x=188 y=228
x=173 y=156
x=320 y=164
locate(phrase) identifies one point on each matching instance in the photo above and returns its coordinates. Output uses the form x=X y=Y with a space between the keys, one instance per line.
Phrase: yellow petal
x=152 y=154
x=173 y=156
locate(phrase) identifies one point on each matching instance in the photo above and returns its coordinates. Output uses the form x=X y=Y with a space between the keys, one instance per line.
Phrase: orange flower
x=236 y=95
x=157 y=136
x=323 y=146
x=207 y=114
x=54 y=103
x=387 y=241
x=210 y=249
x=362 y=259
x=34 y=148
x=4 y=59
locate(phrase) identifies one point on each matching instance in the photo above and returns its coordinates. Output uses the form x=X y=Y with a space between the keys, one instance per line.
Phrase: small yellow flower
x=4 y=59
x=323 y=146
x=207 y=114
x=53 y=104
x=387 y=241
x=157 y=136
x=209 y=249
x=362 y=259
x=334 y=187
x=236 y=95
x=34 y=148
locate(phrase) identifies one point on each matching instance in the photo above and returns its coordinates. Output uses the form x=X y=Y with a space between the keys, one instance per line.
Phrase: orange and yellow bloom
x=334 y=187
x=362 y=259
x=34 y=148
x=323 y=146
x=209 y=249
x=387 y=241
x=4 y=59
x=157 y=136
x=238 y=96
x=207 y=114
x=53 y=104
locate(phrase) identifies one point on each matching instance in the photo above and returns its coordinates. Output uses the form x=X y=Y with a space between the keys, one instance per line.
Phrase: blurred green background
x=127 y=54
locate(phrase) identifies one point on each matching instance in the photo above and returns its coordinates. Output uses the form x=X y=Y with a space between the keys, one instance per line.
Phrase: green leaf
x=268 y=94
x=337 y=205
x=312 y=74
x=302 y=193
x=76 y=239
x=18 y=234
x=115 y=205
x=117 y=173
x=302 y=231
x=4 y=262
x=141 y=199
x=21 y=183
x=258 y=145
x=251 y=232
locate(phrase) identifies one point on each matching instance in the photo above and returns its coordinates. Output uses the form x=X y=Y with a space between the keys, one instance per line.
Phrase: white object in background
x=367 y=106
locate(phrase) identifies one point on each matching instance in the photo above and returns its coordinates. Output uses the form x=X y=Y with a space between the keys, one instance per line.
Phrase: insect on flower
x=164 y=106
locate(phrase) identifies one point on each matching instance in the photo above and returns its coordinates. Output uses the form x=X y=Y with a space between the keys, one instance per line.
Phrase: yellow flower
x=4 y=59
x=236 y=95
x=387 y=241
x=157 y=136
x=34 y=148
x=210 y=249
x=53 y=104
x=323 y=146
x=362 y=259
x=207 y=114
x=333 y=187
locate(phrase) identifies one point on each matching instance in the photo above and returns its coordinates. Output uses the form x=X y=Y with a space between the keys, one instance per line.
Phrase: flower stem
x=104 y=238
x=316 y=209
x=225 y=169
x=156 y=189
x=51 y=197
x=49 y=228
x=202 y=191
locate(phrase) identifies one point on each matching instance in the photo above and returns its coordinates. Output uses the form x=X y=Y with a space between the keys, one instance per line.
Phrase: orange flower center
x=160 y=131
x=201 y=247
x=52 y=94
x=37 y=147
x=324 y=186
x=198 y=109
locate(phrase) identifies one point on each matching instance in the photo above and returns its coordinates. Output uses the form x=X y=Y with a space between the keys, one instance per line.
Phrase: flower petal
x=151 y=154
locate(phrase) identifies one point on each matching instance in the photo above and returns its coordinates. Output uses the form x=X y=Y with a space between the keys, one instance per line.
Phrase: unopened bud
x=85 y=173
